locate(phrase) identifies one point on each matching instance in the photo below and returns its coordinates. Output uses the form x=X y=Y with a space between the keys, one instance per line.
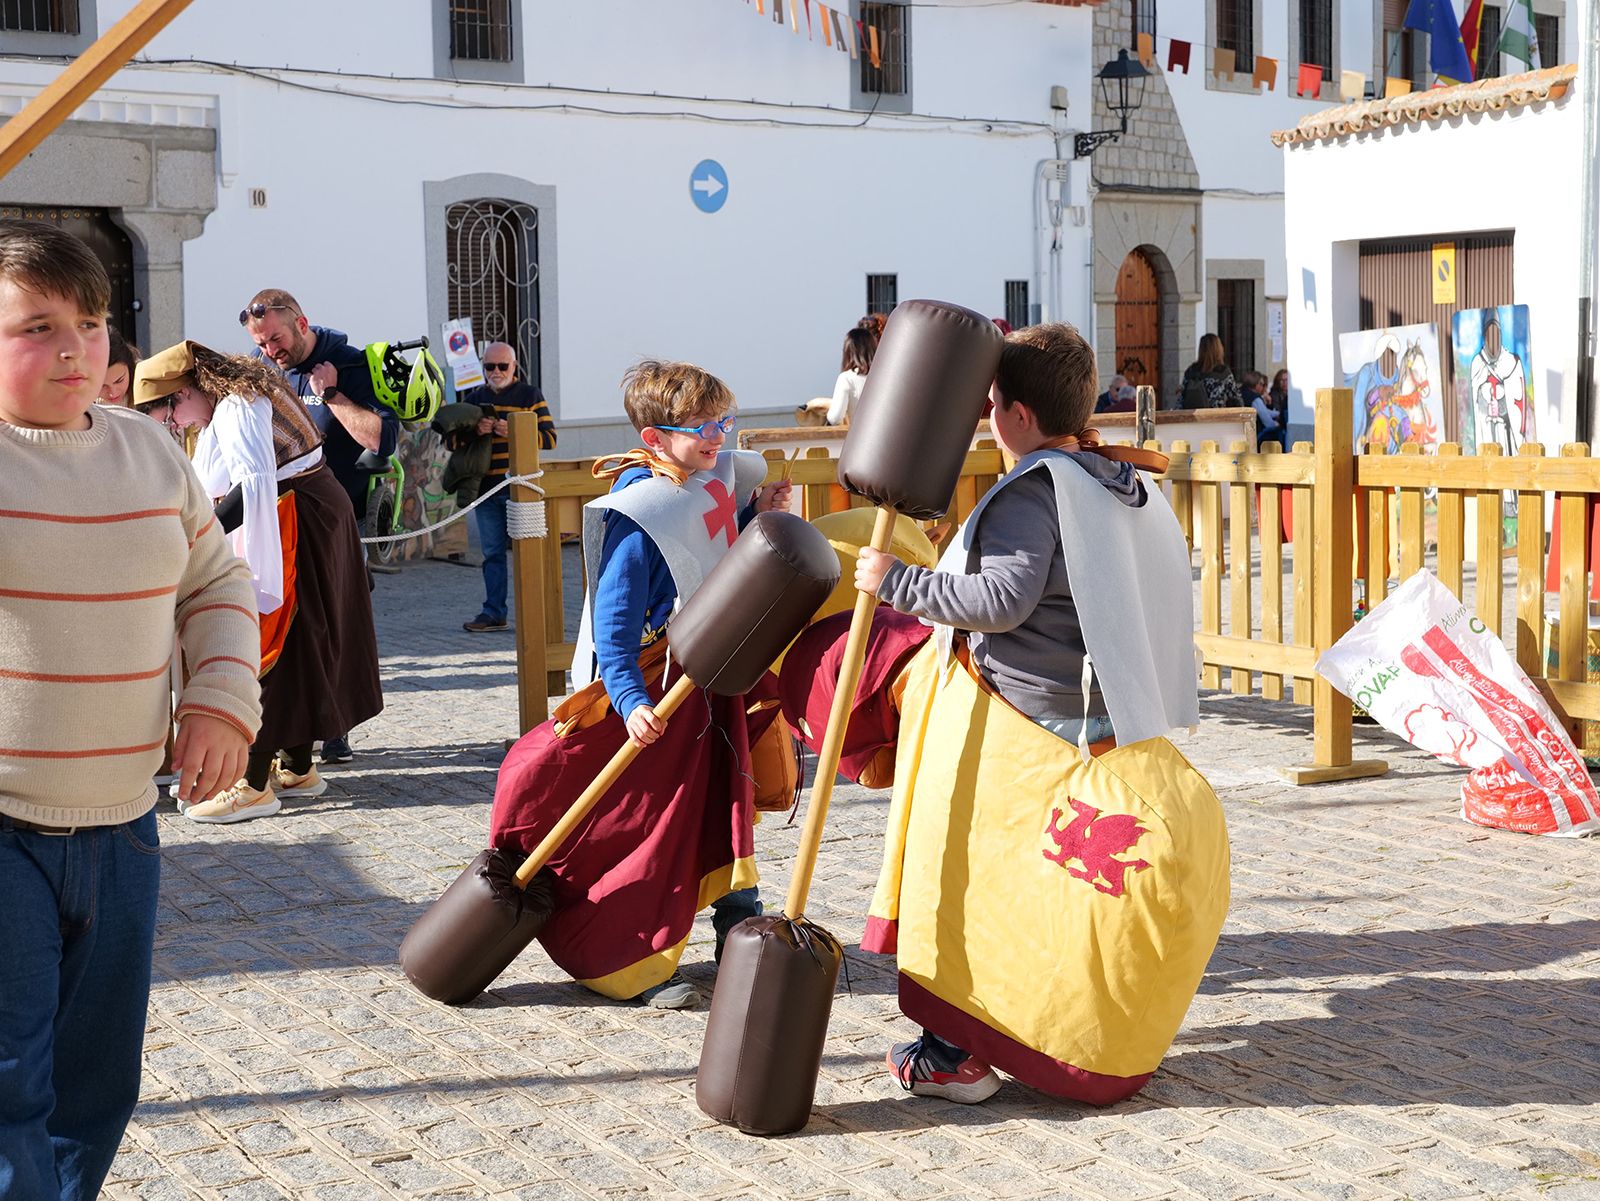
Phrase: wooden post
x=1239 y=616
x=21 y=135
x=1530 y=573
x=1333 y=586
x=527 y=570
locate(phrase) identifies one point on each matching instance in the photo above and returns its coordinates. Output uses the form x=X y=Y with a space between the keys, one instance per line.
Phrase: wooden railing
x=1308 y=505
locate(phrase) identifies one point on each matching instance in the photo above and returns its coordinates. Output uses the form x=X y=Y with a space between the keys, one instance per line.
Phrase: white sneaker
x=288 y=785
x=237 y=804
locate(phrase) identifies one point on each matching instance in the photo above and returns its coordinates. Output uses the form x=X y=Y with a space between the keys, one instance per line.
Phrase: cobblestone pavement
x=1402 y=1005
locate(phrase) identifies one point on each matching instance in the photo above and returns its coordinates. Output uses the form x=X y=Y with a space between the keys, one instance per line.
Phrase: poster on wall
x=1494 y=378
x=1394 y=374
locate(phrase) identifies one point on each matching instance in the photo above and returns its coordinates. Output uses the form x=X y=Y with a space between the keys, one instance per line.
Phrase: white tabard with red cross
x=692 y=526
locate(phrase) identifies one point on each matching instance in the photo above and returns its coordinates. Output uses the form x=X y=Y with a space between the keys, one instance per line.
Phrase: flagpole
x=1589 y=81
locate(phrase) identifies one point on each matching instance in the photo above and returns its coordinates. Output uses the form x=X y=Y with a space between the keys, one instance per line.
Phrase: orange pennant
x=761 y=7
x=1266 y=72
x=872 y=37
x=1147 y=50
x=822 y=16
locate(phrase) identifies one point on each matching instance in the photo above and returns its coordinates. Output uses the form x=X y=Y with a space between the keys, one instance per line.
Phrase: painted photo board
x=1394 y=373
x=1494 y=377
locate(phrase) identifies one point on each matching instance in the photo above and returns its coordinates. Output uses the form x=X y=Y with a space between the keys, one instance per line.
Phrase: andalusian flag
x=1517 y=38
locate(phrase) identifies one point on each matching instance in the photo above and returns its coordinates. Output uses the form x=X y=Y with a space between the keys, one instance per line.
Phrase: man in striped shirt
x=108 y=545
x=501 y=394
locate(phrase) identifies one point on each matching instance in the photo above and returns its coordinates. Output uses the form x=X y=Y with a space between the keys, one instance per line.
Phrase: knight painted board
x=1394 y=373
x=1494 y=377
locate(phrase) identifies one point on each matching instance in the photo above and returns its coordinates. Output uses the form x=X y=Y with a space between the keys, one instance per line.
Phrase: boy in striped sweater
x=107 y=545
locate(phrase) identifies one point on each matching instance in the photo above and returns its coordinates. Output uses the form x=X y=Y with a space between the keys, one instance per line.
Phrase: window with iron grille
x=1404 y=50
x=1489 y=42
x=1144 y=21
x=40 y=16
x=492 y=274
x=883 y=293
x=1236 y=31
x=1316 y=34
x=892 y=77
x=1547 y=28
x=480 y=30
x=1236 y=323
x=1017 y=316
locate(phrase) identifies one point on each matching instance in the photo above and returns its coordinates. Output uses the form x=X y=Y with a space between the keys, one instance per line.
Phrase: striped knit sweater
x=108 y=545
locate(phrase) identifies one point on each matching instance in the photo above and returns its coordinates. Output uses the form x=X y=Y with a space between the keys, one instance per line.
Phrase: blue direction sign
x=708 y=185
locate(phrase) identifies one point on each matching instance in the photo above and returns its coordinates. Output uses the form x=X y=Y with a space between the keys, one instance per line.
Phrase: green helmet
x=414 y=390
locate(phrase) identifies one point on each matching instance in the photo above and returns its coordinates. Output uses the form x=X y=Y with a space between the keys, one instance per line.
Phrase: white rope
x=525 y=519
x=526 y=480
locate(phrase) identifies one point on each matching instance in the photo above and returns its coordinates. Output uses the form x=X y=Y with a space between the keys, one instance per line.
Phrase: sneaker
x=289 y=785
x=483 y=623
x=337 y=750
x=237 y=804
x=931 y=1067
x=675 y=992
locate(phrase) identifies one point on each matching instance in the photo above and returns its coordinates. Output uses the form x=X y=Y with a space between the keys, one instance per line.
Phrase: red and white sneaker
x=931 y=1067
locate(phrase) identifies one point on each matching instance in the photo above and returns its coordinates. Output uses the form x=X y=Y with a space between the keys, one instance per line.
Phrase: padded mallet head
x=910 y=432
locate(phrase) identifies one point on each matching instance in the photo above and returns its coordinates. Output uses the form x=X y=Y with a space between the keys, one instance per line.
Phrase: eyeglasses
x=497 y=366
x=706 y=429
x=256 y=312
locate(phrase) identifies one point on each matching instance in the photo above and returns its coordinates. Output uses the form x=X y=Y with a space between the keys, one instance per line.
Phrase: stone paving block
x=407 y=1173
x=215 y=1167
x=253 y=1190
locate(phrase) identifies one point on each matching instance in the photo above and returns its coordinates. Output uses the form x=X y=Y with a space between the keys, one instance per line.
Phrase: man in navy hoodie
x=331 y=377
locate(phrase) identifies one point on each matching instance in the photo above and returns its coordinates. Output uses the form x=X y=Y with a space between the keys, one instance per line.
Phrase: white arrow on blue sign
x=708 y=185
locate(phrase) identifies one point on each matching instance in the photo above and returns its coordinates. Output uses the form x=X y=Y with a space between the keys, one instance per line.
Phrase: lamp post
x=1122 y=89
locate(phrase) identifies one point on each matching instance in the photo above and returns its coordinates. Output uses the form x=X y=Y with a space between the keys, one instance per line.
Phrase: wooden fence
x=1311 y=508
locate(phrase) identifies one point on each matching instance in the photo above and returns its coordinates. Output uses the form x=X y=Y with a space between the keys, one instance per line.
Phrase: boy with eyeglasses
x=501 y=394
x=676 y=831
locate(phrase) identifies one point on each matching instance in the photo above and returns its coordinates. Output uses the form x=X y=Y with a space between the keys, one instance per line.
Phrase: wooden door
x=1139 y=321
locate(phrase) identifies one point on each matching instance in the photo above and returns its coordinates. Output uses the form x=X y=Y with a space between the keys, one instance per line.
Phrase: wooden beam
x=21 y=135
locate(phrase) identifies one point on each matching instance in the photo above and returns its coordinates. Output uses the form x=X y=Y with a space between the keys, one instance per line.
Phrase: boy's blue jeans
x=491 y=519
x=77 y=924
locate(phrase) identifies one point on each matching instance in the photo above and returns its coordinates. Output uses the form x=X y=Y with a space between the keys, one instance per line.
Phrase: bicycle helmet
x=414 y=390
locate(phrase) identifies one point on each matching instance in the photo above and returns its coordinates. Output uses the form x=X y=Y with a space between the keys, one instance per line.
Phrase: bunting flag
x=1147 y=50
x=822 y=16
x=1177 y=55
x=838 y=30
x=872 y=38
x=761 y=8
x=1472 y=32
x=1352 y=85
x=850 y=37
x=1517 y=38
x=1222 y=62
x=1310 y=81
x=810 y=35
x=794 y=16
x=1393 y=87
x=1266 y=72
x=1447 y=54
x=777 y=11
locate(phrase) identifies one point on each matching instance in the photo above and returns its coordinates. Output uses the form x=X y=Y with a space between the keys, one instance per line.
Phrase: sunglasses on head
x=497 y=366
x=256 y=312
x=706 y=429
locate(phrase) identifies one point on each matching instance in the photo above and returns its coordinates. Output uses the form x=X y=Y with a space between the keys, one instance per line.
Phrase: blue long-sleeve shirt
x=633 y=599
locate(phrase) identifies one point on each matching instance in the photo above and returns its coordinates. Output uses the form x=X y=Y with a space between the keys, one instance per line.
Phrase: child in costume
x=676 y=831
x=108 y=549
x=1072 y=558
x=287 y=517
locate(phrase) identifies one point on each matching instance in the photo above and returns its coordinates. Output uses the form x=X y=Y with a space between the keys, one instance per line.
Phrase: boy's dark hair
x=657 y=392
x=46 y=259
x=1049 y=368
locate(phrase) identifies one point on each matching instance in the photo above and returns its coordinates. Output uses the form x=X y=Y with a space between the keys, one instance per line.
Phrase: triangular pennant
x=794 y=16
x=761 y=7
x=850 y=37
x=1147 y=50
x=838 y=32
x=1393 y=87
x=810 y=36
x=872 y=40
x=1352 y=85
x=1310 y=81
x=1222 y=62
x=777 y=11
x=1266 y=72
x=1178 y=55
x=822 y=16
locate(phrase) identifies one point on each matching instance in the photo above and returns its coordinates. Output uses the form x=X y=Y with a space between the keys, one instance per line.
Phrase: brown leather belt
x=35 y=828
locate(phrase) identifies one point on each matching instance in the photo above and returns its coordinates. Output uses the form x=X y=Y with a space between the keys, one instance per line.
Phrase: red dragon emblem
x=1095 y=841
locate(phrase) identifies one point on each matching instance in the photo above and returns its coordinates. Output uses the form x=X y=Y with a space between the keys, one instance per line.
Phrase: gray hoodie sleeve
x=1020 y=525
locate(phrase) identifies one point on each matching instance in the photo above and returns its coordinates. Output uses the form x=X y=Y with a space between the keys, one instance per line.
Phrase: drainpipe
x=1589 y=81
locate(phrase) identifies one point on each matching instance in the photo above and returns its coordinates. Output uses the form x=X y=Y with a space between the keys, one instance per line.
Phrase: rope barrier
x=524 y=518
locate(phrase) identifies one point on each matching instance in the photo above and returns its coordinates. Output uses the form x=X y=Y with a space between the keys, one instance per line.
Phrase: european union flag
x=1447 y=54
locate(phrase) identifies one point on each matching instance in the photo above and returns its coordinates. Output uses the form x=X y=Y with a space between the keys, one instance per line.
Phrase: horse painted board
x=1394 y=373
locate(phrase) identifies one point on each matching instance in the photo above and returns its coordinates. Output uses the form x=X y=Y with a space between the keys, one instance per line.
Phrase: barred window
x=1547 y=28
x=883 y=293
x=892 y=76
x=1236 y=31
x=1489 y=42
x=1144 y=21
x=40 y=16
x=480 y=30
x=1017 y=304
x=492 y=273
x=1236 y=323
x=1316 y=34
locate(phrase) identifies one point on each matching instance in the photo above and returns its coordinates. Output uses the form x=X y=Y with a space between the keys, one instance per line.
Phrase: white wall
x=1341 y=192
x=760 y=292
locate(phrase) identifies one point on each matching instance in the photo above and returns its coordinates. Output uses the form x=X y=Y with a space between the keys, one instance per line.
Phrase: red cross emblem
x=723 y=516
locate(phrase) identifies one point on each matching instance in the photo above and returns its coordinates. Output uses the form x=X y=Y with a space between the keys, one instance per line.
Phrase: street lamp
x=1122 y=89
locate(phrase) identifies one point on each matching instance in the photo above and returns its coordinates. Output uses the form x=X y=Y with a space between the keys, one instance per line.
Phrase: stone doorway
x=1139 y=321
x=111 y=246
